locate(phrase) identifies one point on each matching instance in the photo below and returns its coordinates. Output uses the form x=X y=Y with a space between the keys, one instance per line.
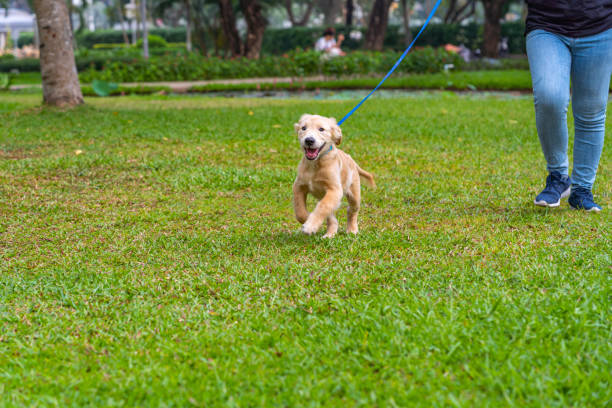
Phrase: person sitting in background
x=328 y=43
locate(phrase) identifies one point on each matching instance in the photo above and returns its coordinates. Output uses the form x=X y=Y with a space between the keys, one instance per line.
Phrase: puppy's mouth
x=312 y=153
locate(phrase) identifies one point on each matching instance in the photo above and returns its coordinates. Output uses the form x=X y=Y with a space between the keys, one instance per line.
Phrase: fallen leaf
x=78 y=151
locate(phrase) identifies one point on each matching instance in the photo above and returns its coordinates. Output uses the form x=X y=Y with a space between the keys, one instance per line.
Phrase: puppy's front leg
x=299 y=202
x=325 y=208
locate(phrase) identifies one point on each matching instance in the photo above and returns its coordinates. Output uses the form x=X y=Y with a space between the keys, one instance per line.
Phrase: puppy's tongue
x=312 y=153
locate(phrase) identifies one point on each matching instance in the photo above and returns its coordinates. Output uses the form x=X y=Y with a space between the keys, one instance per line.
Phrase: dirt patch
x=15 y=154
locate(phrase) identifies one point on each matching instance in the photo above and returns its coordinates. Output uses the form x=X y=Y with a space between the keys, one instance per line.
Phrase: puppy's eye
x=321 y=129
x=303 y=127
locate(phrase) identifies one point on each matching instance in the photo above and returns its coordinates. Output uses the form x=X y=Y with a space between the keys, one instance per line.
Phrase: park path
x=184 y=86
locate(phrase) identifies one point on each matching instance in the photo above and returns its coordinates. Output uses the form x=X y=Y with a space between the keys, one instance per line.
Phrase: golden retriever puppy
x=327 y=173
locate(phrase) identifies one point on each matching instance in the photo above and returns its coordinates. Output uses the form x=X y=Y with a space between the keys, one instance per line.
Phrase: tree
x=377 y=28
x=493 y=10
x=350 y=8
x=228 y=23
x=216 y=21
x=256 y=25
x=145 y=31
x=188 y=42
x=304 y=20
x=458 y=12
x=331 y=9
x=406 y=6
x=60 y=80
x=119 y=6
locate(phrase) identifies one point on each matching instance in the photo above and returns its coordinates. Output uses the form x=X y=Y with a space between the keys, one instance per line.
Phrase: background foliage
x=278 y=41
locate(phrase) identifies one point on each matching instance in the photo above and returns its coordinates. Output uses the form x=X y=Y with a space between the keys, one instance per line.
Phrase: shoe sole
x=543 y=203
x=594 y=209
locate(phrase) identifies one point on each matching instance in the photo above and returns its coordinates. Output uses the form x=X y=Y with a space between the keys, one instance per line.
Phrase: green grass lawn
x=149 y=257
x=507 y=80
x=468 y=80
x=515 y=80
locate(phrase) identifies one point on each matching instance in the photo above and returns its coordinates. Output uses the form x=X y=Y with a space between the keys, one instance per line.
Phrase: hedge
x=87 y=39
x=33 y=64
x=91 y=59
x=279 y=41
x=296 y=64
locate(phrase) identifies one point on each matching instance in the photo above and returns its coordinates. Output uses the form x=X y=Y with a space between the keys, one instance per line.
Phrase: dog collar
x=331 y=146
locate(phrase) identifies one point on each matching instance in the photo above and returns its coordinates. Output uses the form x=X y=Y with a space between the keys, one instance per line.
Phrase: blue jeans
x=553 y=60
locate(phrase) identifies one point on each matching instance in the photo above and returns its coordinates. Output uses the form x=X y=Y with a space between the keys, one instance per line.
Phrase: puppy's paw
x=309 y=228
x=302 y=217
x=352 y=230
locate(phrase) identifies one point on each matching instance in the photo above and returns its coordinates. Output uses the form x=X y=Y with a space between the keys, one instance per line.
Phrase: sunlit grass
x=149 y=256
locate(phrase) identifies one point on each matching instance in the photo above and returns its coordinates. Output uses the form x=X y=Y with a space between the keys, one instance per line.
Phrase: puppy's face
x=316 y=134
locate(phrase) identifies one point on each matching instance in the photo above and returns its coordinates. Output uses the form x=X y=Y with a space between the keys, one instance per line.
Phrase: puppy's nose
x=309 y=141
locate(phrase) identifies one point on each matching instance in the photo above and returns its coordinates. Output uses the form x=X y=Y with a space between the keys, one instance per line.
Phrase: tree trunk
x=256 y=25
x=452 y=4
x=145 y=31
x=377 y=27
x=406 y=22
x=60 y=80
x=187 y=4
x=331 y=10
x=350 y=8
x=126 y=40
x=200 y=35
x=305 y=17
x=492 y=28
x=228 y=22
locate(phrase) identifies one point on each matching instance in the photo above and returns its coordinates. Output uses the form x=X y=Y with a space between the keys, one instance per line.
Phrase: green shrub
x=25 y=39
x=5 y=81
x=155 y=41
x=299 y=63
x=110 y=46
x=21 y=65
x=95 y=61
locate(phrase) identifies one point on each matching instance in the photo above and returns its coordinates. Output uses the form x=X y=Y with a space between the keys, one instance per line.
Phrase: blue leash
x=433 y=11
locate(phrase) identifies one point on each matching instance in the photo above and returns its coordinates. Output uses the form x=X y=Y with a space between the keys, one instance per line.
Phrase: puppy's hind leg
x=332 y=226
x=353 y=197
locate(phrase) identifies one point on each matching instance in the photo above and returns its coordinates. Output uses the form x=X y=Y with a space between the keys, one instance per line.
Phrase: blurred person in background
x=328 y=43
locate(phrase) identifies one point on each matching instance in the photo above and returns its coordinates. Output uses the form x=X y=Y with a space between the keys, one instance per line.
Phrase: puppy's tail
x=367 y=177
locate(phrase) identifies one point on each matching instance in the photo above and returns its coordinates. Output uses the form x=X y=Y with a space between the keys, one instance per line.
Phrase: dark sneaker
x=557 y=187
x=582 y=199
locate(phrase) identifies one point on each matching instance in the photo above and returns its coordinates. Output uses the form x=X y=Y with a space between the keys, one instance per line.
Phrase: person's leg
x=591 y=71
x=550 y=65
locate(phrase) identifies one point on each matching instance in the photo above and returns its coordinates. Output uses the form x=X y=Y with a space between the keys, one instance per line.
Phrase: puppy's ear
x=296 y=126
x=336 y=132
